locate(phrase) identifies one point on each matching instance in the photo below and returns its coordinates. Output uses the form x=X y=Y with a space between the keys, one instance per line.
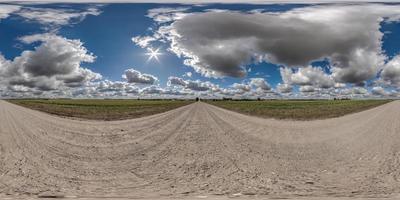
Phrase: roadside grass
x=101 y=109
x=299 y=109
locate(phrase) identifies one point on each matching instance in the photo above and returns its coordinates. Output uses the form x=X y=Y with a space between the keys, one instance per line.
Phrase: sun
x=153 y=54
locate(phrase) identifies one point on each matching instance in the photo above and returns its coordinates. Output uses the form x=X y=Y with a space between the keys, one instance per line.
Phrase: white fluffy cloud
x=55 y=17
x=134 y=76
x=166 y=14
x=143 y=41
x=308 y=76
x=54 y=64
x=6 y=10
x=48 y=17
x=188 y=74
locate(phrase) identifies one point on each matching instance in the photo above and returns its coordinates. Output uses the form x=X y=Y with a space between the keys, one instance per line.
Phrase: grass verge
x=99 y=109
x=299 y=109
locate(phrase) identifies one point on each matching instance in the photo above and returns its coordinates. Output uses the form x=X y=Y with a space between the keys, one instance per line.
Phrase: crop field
x=100 y=109
x=299 y=109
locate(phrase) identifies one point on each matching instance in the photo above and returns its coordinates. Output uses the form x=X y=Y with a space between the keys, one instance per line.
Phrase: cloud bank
x=348 y=36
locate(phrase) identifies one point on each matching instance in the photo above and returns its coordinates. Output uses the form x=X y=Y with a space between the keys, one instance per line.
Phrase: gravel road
x=199 y=151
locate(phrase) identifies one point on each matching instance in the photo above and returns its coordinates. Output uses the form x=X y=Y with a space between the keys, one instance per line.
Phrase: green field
x=100 y=109
x=299 y=109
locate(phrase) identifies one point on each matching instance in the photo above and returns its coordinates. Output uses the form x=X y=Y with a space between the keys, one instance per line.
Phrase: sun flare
x=153 y=54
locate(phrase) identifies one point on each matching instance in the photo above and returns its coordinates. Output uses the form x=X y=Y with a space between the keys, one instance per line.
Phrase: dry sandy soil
x=199 y=151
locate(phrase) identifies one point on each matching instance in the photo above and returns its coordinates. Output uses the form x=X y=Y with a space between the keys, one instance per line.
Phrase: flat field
x=299 y=109
x=101 y=109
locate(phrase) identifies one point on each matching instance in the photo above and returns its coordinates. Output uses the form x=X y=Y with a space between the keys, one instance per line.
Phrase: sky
x=208 y=50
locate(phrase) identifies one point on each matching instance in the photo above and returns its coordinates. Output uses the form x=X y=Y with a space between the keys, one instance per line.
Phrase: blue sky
x=265 y=51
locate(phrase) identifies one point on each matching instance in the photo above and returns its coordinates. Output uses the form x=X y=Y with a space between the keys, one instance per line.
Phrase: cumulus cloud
x=196 y=85
x=308 y=76
x=157 y=91
x=134 y=76
x=172 y=80
x=167 y=14
x=391 y=72
x=379 y=91
x=122 y=89
x=348 y=36
x=307 y=88
x=106 y=89
x=242 y=88
x=112 y=86
x=353 y=91
x=260 y=83
x=54 y=64
x=252 y=87
x=200 y=85
x=284 y=88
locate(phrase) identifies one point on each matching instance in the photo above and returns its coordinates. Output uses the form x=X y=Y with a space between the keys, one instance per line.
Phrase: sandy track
x=200 y=149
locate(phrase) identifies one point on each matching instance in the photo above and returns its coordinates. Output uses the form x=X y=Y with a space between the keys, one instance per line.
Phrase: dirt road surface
x=199 y=151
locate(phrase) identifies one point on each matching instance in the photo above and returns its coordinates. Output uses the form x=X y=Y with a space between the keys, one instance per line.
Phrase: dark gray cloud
x=134 y=76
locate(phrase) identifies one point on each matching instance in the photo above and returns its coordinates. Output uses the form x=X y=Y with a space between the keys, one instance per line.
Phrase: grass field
x=99 y=109
x=299 y=109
